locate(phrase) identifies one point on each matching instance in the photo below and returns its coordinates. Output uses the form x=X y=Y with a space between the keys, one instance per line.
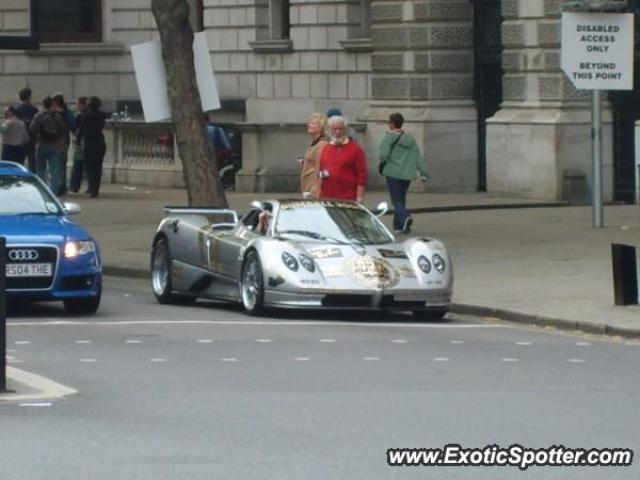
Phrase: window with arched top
x=58 y=21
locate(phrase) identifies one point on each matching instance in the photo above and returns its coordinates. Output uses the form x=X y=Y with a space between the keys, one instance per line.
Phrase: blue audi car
x=48 y=256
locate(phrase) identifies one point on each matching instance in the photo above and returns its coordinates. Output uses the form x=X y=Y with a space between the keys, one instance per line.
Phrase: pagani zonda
x=298 y=254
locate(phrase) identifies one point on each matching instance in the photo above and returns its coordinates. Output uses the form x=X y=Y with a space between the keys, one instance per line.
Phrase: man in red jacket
x=343 y=165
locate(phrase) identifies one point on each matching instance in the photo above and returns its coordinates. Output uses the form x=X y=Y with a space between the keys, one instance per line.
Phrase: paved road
x=205 y=392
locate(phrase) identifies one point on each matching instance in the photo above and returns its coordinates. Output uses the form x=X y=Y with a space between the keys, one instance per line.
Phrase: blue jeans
x=49 y=161
x=398 y=193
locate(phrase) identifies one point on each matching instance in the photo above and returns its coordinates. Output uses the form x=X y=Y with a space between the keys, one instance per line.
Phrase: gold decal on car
x=372 y=272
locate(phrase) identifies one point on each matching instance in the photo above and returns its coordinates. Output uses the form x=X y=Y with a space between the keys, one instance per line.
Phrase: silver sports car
x=298 y=254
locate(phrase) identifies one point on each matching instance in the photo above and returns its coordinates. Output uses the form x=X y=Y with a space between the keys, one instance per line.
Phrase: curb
x=542 y=321
x=497 y=206
x=466 y=309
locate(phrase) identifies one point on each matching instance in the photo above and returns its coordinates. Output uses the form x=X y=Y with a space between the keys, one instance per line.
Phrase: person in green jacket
x=400 y=161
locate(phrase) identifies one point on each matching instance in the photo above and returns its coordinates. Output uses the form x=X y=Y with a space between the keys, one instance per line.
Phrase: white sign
x=597 y=50
x=152 y=79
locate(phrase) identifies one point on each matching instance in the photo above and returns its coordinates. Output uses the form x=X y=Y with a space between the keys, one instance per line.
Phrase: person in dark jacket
x=91 y=139
x=60 y=106
x=78 y=154
x=25 y=111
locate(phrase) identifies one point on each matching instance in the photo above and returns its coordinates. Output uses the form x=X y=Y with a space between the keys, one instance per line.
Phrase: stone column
x=422 y=67
x=543 y=128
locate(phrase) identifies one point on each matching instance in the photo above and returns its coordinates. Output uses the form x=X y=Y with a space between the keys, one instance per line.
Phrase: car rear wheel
x=430 y=315
x=161 y=275
x=252 y=284
x=82 y=306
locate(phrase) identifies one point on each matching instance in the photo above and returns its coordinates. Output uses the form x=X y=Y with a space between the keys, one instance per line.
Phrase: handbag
x=382 y=164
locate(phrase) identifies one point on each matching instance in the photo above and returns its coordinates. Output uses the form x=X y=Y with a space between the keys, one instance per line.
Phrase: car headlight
x=307 y=263
x=424 y=264
x=290 y=261
x=75 y=249
x=439 y=263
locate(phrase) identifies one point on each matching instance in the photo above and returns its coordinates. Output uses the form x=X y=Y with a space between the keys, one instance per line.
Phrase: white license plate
x=410 y=297
x=28 y=270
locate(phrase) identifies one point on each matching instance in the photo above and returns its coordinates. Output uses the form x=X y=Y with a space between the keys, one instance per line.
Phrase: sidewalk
x=543 y=265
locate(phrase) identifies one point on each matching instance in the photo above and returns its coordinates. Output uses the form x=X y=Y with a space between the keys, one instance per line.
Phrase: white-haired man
x=343 y=164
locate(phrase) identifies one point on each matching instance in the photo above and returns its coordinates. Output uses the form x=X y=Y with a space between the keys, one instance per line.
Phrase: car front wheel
x=252 y=284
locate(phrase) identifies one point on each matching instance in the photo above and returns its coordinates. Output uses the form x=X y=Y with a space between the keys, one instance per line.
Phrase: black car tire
x=252 y=277
x=163 y=290
x=82 y=306
x=430 y=315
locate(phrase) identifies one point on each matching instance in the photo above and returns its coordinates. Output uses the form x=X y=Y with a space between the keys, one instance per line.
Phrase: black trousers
x=93 y=158
x=13 y=153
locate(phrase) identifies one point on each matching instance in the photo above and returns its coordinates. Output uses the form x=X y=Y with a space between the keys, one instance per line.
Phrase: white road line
x=583 y=344
x=35 y=404
x=576 y=360
x=399 y=340
x=456 y=342
x=328 y=340
x=370 y=359
x=266 y=323
x=228 y=359
x=88 y=360
x=83 y=342
x=205 y=340
x=524 y=344
x=302 y=359
x=11 y=350
x=441 y=359
x=23 y=342
x=510 y=360
x=133 y=341
x=263 y=340
x=158 y=360
x=13 y=360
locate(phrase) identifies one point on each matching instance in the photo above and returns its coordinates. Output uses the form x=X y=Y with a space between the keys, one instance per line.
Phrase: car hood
x=18 y=228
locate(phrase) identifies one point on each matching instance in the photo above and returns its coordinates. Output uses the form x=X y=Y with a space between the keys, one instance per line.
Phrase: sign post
x=3 y=316
x=597 y=54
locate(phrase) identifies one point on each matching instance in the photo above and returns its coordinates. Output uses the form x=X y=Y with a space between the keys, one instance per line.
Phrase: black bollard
x=625 y=274
x=3 y=315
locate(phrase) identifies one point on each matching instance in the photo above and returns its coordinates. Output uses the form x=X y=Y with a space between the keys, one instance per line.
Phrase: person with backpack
x=49 y=131
x=400 y=161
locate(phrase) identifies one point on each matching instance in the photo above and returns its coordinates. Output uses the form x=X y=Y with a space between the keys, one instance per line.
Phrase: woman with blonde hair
x=310 y=168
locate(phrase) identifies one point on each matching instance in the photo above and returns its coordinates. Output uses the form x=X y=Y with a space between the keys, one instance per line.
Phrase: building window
x=273 y=26
x=358 y=26
x=67 y=20
x=279 y=19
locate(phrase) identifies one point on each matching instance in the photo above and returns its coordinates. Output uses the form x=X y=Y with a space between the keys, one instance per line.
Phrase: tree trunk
x=204 y=188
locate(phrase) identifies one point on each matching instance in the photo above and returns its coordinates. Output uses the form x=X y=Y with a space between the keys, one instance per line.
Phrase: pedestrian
x=60 y=106
x=90 y=137
x=343 y=165
x=14 y=137
x=77 y=169
x=49 y=131
x=400 y=161
x=310 y=168
x=25 y=111
x=221 y=148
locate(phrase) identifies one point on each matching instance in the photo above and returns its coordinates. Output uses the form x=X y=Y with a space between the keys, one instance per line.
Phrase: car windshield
x=24 y=195
x=331 y=221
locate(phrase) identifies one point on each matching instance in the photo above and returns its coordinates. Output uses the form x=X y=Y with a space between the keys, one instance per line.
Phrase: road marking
x=583 y=344
x=275 y=323
x=510 y=360
x=441 y=359
x=205 y=340
x=23 y=342
x=456 y=342
x=524 y=344
x=158 y=360
x=45 y=389
x=576 y=360
x=82 y=342
x=399 y=340
x=328 y=340
x=228 y=359
x=35 y=404
x=11 y=350
x=370 y=359
x=133 y=341
x=263 y=340
x=302 y=359
x=13 y=360
x=88 y=360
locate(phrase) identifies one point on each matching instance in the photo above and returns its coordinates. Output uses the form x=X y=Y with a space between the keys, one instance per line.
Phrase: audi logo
x=23 y=254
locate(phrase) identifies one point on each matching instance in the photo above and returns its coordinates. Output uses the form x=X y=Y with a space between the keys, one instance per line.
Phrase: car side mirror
x=71 y=208
x=381 y=209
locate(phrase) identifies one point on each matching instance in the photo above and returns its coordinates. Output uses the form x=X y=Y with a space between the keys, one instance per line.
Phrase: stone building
x=478 y=82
